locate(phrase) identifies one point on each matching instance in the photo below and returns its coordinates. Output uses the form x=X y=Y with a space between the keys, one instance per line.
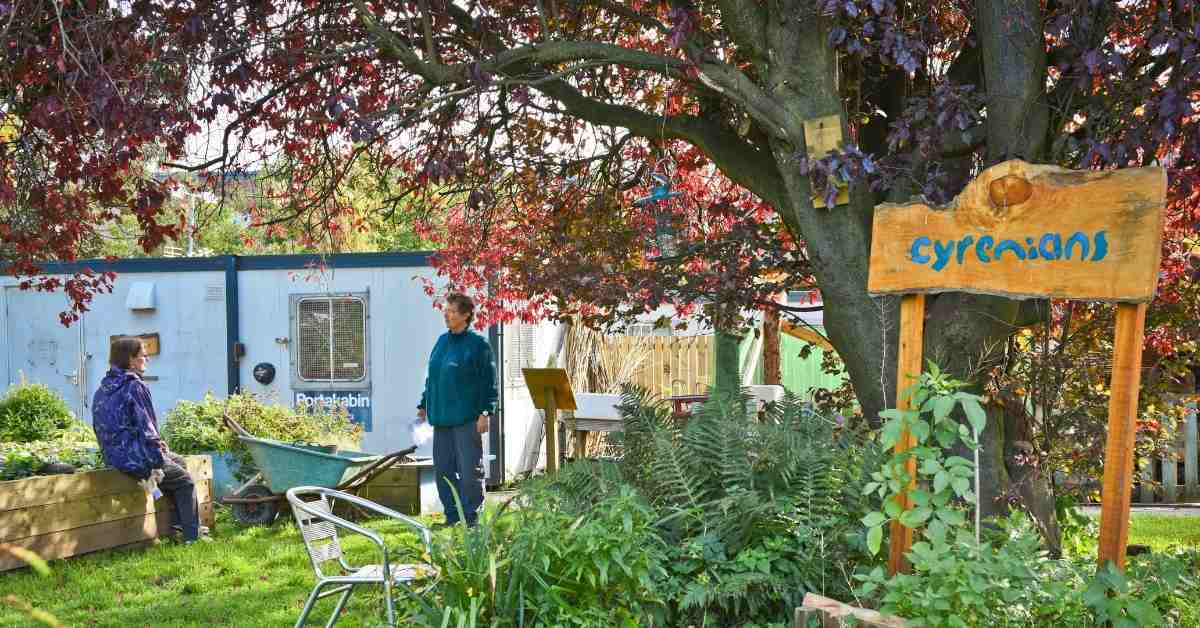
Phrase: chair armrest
x=426 y=535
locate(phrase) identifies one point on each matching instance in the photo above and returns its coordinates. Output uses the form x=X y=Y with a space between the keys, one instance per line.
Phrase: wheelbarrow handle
x=368 y=473
x=234 y=425
x=401 y=453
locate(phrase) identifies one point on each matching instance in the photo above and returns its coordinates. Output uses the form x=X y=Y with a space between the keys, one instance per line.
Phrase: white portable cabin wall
x=207 y=309
x=402 y=327
x=188 y=313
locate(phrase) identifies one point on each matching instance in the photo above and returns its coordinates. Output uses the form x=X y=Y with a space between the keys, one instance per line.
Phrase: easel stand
x=551 y=392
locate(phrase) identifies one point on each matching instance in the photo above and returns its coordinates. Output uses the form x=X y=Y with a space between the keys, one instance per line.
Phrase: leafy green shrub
x=969 y=575
x=194 y=427
x=945 y=483
x=1160 y=589
x=75 y=445
x=543 y=566
x=32 y=412
x=958 y=581
x=753 y=514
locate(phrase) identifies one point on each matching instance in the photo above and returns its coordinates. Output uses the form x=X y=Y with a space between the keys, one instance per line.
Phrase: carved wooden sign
x=1023 y=230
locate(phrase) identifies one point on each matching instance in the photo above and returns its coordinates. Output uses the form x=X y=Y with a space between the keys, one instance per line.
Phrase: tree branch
x=962 y=143
x=554 y=52
x=747 y=25
x=427 y=26
x=629 y=14
x=737 y=87
x=741 y=162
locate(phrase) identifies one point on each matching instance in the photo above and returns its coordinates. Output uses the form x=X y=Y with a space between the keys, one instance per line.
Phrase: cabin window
x=331 y=338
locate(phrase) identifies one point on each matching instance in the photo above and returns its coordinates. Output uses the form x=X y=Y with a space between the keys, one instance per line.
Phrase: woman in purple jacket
x=127 y=430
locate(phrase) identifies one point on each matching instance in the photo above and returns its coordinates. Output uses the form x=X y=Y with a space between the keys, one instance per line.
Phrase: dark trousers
x=458 y=463
x=177 y=483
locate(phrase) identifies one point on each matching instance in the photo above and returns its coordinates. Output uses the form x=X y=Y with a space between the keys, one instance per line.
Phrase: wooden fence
x=671 y=365
x=1161 y=479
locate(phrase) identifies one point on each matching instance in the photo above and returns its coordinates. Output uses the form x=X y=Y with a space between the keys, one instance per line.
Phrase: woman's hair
x=463 y=304
x=123 y=350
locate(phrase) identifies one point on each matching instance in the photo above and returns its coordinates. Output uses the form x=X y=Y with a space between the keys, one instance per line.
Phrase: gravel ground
x=1179 y=510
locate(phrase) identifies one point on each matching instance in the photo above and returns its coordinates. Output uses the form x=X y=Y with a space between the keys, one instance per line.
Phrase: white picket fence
x=1165 y=485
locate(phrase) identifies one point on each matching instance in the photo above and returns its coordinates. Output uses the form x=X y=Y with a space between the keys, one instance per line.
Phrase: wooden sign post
x=551 y=392
x=1031 y=231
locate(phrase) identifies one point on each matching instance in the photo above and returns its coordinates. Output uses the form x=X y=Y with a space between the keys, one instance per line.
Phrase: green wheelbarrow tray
x=282 y=466
x=285 y=465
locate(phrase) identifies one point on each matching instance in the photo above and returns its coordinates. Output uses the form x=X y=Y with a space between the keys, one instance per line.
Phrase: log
x=834 y=614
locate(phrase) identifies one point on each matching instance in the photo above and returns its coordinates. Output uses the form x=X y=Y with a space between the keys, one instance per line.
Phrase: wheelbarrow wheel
x=257 y=513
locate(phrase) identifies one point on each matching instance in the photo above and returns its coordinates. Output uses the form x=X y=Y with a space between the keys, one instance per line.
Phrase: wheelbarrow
x=282 y=466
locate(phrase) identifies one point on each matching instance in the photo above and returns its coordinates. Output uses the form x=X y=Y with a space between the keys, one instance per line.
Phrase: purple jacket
x=125 y=425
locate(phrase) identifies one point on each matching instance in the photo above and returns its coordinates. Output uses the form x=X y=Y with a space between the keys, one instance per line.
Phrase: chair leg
x=387 y=600
x=312 y=599
x=341 y=604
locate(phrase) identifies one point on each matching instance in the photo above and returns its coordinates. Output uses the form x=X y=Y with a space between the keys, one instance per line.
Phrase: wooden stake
x=772 y=363
x=1122 y=432
x=551 y=432
x=581 y=438
x=912 y=338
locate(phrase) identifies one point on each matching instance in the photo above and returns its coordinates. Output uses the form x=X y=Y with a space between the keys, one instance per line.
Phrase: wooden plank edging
x=62 y=516
x=100 y=536
x=53 y=489
x=66 y=515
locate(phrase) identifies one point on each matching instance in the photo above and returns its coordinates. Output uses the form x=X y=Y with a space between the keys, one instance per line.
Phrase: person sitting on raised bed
x=127 y=430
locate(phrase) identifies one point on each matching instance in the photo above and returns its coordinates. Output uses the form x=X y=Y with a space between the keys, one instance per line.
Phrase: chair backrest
x=320 y=535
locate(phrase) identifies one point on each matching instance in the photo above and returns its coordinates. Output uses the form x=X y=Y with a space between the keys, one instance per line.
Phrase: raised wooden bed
x=407 y=487
x=59 y=516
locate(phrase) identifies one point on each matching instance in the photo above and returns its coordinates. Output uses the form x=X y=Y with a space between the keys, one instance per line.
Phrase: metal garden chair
x=313 y=509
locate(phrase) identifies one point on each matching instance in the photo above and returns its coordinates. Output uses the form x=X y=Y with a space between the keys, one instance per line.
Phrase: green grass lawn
x=1163 y=531
x=248 y=576
x=260 y=576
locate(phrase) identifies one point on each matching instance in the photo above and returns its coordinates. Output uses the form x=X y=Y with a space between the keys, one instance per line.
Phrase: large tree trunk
x=965 y=333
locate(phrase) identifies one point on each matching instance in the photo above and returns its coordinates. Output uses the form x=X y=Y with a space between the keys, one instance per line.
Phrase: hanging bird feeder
x=666 y=237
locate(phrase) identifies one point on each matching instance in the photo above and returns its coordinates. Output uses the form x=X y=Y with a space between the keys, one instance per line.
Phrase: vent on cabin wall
x=214 y=293
x=519 y=341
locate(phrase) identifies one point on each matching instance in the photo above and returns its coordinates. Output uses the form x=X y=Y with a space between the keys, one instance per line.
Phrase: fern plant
x=728 y=484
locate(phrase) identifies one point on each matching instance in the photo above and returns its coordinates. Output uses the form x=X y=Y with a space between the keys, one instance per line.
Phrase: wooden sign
x=1031 y=231
x=1022 y=230
x=149 y=342
x=822 y=135
x=542 y=382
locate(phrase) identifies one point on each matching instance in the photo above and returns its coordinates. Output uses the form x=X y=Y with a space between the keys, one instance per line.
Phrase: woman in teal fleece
x=459 y=399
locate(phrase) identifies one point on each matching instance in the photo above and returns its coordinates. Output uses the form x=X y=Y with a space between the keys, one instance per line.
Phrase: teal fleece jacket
x=461 y=382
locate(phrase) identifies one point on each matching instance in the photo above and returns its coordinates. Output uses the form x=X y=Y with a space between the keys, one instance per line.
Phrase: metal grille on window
x=332 y=339
x=349 y=350
x=314 y=339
